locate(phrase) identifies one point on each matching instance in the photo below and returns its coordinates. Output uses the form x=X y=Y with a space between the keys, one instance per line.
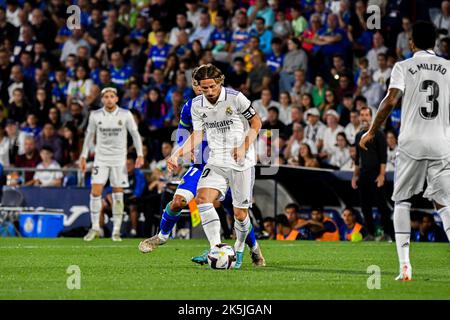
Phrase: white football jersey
x=425 y=117
x=110 y=131
x=226 y=127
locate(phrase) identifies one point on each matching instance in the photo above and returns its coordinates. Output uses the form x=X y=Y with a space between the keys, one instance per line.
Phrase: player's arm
x=137 y=141
x=396 y=88
x=188 y=146
x=185 y=124
x=89 y=137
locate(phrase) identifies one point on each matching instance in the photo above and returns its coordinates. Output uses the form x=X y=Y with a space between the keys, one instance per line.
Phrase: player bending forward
x=231 y=126
x=109 y=125
x=424 y=140
x=187 y=190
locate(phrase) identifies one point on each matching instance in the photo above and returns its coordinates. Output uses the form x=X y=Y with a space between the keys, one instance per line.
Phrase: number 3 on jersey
x=430 y=112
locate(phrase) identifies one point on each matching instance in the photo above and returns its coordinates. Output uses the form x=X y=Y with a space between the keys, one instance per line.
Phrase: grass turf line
x=36 y=269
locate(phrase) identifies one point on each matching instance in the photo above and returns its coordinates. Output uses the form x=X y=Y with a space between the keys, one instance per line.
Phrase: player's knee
x=178 y=203
x=240 y=213
x=96 y=193
x=201 y=199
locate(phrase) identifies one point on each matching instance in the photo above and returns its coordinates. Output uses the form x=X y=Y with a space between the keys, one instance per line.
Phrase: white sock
x=117 y=210
x=402 y=227
x=210 y=223
x=95 y=205
x=445 y=216
x=241 y=228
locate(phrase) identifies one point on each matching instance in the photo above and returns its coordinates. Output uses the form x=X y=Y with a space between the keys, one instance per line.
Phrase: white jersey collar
x=423 y=53
x=114 y=113
x=222 y=97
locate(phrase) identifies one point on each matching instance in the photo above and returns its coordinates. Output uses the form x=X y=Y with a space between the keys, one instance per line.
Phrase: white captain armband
x=249 y=113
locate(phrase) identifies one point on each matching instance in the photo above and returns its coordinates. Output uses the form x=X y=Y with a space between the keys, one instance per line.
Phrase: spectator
x=282 y=27
x=351 y=230
x=19 y=107
x=442 y=20
x=73 y=43
x=284 y=229
x=292 y=149
x=260 y=76
x=120 y=72
x=309 y=35
x=428 y=231
x=314 y=129
x=16 y=140
x=156 y=109
x=275 y=57
x=318 y=92
x=402 y=48
x=285 y=108
x=306 y=158
x=4 y=147
x=42 y=105
x=77 y=116
x=48 y=137
x=171 y=68
x=299 y=23
x=353 y=127
x=291 y=210
x=264 y=35
x=340 y=155
x=330 y=134
x=183 y=24
x=321 y=10
x=203 y=31
x=180 y=85
x=269 y=231
x=261 y=10
x=18 y=81
x=47 y=178
x=241 y=34
x=262 y=105
x=391 y=140
x=383 y=73
x=294 y=59
x=193 y=13
x=7 y=29
x=345 y=109
x=93 y=34
x=273 y=120
x=29 y=159
x=31 y=125
x=237 y=77
x=158 y=53
x=330 y=103
x=60 y=87
x=371 y=90
x=369 y=177
x=25 y=43
x=296 y=116
x=220 y=39
x=134 y=99
x=377 y=48
x=80 y=88
x=321 y=228
x=301 y=86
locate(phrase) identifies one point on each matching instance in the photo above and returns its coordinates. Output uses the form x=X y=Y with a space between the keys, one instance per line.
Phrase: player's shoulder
x=123 y=112
x=197 y=102
x=97 y=113
x=231 y=91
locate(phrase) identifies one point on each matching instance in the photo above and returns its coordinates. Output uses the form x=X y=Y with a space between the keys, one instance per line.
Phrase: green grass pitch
x=37 y=269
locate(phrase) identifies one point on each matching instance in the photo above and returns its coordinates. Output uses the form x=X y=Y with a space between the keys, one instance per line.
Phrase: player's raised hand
x=172 y=163
x=238 y=154
x=139 y=162
x=366 y=138
x=82 y=164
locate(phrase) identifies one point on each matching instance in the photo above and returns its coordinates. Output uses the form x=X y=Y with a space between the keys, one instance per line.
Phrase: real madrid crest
x=229 y=111
x=120 y=122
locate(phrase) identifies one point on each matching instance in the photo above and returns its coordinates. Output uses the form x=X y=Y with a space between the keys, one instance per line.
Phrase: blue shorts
x=188 y=186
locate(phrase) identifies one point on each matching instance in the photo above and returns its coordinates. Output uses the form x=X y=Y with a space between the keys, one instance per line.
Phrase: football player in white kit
x=424 y=140
x=231 y=126
x=109 y=125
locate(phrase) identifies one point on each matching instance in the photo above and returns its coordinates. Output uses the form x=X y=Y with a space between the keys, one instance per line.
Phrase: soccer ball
x=222 y=256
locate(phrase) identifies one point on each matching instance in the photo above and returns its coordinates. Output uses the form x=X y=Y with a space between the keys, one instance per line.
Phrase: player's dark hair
x=209 y=71
x=292 y=206
x=423 y=34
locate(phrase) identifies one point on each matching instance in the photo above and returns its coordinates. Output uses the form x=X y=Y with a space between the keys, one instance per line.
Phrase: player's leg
x=98 y=180
x=408 y=180
x=444 y=212
x=133 y=212
x=119 y=180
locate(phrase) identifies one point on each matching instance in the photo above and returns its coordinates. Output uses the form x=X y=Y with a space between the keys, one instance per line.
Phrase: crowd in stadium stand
x=309 y=66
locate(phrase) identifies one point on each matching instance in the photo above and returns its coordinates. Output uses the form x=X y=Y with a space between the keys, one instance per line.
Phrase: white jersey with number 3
x=226 y=126
x=424 y=80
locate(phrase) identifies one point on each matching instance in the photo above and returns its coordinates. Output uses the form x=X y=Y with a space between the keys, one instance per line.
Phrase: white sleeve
x=90 y=132
x=197 y=121
x=244 y=106
x=397 y=78
x=133 y=130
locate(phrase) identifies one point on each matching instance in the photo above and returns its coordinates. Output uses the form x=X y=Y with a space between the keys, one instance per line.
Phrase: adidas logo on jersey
x=204 y=116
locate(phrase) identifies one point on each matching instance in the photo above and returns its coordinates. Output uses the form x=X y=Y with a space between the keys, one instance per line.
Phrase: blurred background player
x=109 y=125
x=424 y=140
x=231 y=126
x=187 y=190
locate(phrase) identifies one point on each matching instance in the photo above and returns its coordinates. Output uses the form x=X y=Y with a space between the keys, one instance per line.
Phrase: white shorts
x=410 y=176
x=118 y=176
x=240 y=182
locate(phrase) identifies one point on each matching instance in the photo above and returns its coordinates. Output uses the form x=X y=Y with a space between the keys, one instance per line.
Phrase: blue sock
x=251 y=237
x=168 y=220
